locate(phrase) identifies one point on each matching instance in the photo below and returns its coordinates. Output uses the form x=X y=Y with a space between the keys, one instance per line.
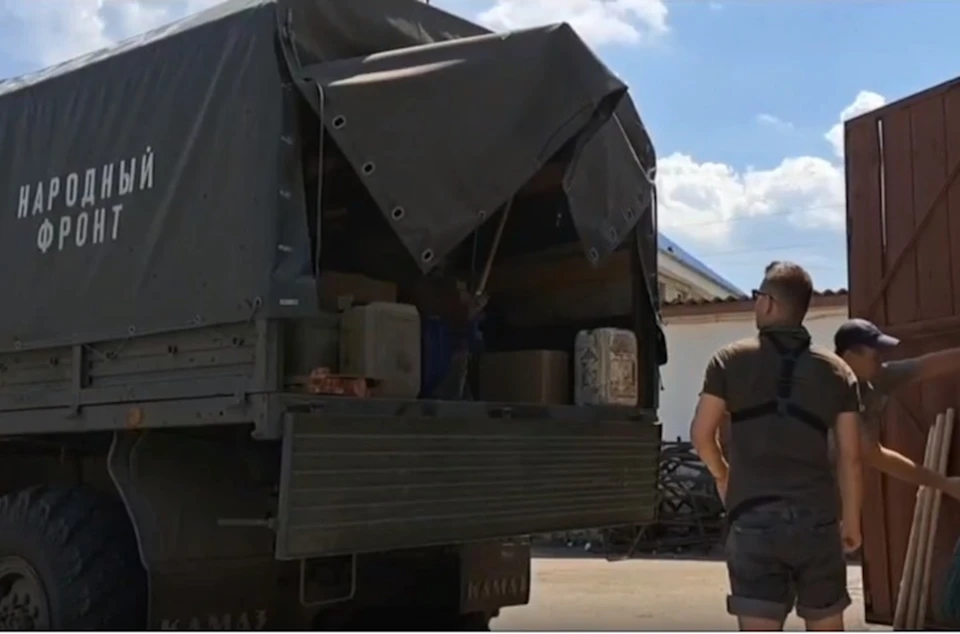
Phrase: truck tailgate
x=359 y=484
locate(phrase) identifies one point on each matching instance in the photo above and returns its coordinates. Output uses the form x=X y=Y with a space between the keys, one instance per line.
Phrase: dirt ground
x=641 y=594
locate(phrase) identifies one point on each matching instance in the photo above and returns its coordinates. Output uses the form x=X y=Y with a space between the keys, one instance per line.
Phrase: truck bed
x=356 y=475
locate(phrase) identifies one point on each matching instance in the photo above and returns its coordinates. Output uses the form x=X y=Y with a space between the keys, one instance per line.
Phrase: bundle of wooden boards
x=914 y=593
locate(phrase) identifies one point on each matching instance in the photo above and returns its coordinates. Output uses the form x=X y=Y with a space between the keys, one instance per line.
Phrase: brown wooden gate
x=903 y=231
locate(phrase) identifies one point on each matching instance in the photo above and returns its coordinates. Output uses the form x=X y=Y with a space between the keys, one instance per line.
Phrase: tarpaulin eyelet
x=593 y=255
x=427 y=255
x=339 y=121
x=368 y=168
x=397 y=213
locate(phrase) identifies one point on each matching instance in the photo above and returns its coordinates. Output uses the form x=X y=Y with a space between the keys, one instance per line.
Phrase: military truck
x=170 y=205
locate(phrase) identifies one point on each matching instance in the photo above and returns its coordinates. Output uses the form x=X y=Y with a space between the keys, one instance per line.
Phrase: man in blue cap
x=861 y=344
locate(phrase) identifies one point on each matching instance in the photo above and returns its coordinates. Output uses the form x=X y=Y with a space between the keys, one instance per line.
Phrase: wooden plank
x=865 y=270
x=951 y=107
x=899 y=496
x=901 y=294
x=894 y=267
x=878 y=597
x=930 y=170
x=865 y=258
x=902 y=308
x=949 y=525
x=926 y=328
x=934 y=285
x=904 y=429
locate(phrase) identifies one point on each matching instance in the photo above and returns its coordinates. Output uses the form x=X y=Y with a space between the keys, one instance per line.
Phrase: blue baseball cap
x=860 y=332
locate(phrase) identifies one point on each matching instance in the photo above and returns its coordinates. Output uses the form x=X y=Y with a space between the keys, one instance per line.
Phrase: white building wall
x=691 y=341
x=677 y=276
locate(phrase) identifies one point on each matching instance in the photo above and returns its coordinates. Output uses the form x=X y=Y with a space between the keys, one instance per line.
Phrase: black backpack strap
x=782 y=406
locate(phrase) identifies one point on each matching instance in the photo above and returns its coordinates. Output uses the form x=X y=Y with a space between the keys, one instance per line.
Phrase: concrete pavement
x=641 y=594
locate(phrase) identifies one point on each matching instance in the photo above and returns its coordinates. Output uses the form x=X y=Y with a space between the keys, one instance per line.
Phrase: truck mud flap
x=352 y=484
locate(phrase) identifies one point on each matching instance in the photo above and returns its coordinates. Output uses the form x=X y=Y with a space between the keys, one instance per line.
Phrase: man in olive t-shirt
x=860 y=343
x=785 y=547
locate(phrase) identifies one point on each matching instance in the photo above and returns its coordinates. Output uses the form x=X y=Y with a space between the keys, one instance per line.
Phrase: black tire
x=79 y=551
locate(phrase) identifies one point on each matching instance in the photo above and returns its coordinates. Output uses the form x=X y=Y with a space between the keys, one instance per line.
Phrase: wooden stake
x=943 y=460
x=926 y=494
x=906 y=578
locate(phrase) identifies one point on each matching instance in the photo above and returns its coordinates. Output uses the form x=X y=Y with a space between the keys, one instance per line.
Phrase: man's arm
x=893 y=463
x=898 y=466
x=704 y=433
x=922 y=368
x=850 y=473
x=710 y=414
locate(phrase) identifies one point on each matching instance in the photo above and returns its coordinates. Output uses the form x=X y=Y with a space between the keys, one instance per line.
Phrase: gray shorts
x=781 y=557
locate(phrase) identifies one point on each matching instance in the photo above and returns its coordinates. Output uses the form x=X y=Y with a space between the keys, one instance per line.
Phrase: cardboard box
x=339 y=291
x=528 y=376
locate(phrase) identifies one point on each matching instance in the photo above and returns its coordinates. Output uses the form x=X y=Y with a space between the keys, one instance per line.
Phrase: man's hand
x=851 y=535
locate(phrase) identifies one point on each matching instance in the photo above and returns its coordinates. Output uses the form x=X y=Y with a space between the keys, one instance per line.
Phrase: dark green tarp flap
x=609 y=184
x=444 y=134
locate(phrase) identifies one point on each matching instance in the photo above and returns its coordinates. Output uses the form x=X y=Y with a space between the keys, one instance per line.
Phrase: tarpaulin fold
x=444 y=134
x=598 y=204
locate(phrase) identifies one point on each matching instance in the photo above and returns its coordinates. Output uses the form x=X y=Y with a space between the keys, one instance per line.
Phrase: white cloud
x=865 y=101
x=45 y=32
x=774 y=122
x=598 y=22
x=702 y=202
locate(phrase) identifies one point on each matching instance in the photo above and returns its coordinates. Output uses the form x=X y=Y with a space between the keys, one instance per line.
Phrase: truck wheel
x=69 y=561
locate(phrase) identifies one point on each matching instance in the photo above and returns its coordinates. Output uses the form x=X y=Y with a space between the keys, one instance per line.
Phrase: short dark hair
x=790 y=285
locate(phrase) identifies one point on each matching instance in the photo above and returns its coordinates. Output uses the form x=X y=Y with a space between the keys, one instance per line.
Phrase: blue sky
x=739 y=96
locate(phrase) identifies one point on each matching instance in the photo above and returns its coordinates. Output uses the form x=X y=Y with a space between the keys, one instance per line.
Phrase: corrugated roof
x=669 y=246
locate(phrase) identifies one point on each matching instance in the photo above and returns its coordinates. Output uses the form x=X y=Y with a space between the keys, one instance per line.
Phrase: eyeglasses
x=756 y=294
